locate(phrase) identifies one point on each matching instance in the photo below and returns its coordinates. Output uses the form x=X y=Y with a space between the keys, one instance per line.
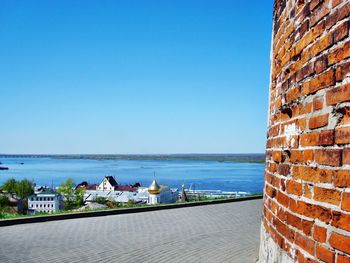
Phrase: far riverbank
x=237 y=158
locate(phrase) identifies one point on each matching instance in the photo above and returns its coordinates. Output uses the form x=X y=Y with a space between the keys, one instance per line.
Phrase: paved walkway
x=214 y=233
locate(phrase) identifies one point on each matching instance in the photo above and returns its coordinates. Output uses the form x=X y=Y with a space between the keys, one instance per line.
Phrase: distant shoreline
x=236 y=158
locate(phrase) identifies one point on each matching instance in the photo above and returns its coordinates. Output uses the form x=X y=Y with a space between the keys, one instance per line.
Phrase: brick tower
x=306 y=213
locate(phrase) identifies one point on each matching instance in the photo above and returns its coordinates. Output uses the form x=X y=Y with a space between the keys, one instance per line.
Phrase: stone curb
x=46 y=218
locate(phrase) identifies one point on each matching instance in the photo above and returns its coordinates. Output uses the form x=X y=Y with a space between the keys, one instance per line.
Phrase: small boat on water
x=3 y=168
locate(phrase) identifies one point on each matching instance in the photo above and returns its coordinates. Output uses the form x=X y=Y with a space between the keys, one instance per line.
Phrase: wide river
x=207 y=175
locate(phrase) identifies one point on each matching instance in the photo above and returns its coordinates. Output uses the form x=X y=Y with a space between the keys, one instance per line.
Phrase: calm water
x=208 y=175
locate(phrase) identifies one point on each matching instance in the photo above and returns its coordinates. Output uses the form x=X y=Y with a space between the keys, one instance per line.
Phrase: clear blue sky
x=184 y=76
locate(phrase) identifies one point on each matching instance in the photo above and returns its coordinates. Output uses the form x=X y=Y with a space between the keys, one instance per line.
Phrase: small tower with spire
x=183 y=197
x=154 y=192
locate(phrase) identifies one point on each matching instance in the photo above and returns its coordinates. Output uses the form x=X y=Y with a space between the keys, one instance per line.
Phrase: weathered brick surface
x=307 y=190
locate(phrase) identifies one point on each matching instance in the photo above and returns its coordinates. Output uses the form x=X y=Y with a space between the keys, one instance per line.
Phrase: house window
x=36 y=205
x=41 y=205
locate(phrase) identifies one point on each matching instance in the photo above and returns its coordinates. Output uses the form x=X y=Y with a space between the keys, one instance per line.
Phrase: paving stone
x=214 y=233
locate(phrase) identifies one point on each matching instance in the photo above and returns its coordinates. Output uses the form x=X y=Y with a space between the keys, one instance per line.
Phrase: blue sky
x=185 y=76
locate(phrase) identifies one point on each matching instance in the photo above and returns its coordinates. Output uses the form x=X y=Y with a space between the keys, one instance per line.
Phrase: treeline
x=238 y=158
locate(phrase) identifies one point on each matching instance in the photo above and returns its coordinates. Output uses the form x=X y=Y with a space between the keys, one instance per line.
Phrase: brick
x=341 y=220
x=312 y=174
x=301 y=156
x=270 y=191
x=336 y=2
x=343 y=259
x=305 y=243
x=309 y=210
x=330 y=157
x=283 y=169
x=339 y=54
x=293 y=94
x=322 y=213
x=341 y=31
x=309 y=139
x=306 y=71
x=303 y=258
x=293 y=187
x=307 y=226
x=326 y=137
x=323 y=43
x=284 y=230
x=308 y=156
x=338 y=94
x=340 y=242
x=314 y=4
x=320 y=233
x=277 y=156
x=282 y=199
x=325 y=254
x=321 y=64
x=302 y=43
x=283 y=185
x=342 y=135
x=320 y=12
x=338 y=15
x=342 y=71
x=345 y=203
x=327 y=195
x=308 y=107
x=342 y=178
x=318 y=121
x=344 y=115
x=307 y=189
x=317 y=103
x=281 y=214
x=322 y=81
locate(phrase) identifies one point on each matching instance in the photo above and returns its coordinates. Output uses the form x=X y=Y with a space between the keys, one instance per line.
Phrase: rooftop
x=214 y=233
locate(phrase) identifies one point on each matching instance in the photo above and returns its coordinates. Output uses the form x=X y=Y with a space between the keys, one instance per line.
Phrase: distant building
x=161 y=194
x=46 y=201
x=85 y=185
x=108 y=184
x=16 y=204
x=183 y=197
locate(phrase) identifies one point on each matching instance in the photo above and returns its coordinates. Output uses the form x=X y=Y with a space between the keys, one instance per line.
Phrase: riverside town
x=24 y=197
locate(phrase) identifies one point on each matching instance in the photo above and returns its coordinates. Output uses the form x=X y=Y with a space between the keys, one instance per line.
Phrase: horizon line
x=3 y=154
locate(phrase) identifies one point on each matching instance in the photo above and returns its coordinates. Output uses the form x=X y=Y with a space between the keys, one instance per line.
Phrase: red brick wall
x=307 y=176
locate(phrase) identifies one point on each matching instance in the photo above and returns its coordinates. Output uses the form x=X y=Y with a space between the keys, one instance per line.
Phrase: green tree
x=66 y=189
x=10 y=186
x=4 y=201
x=101 y=200
x=79 y=196
x=24 y=188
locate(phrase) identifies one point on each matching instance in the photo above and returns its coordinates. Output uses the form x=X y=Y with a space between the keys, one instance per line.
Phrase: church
x=159 y=194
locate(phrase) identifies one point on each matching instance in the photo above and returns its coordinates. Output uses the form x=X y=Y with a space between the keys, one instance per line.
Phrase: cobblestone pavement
x=214 y=233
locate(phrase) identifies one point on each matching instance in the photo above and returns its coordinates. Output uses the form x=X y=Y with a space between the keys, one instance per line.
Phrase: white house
x=46 y=201
x=108 y=184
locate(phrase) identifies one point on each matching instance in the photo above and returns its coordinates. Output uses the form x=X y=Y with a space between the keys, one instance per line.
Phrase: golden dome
x=154 y=188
